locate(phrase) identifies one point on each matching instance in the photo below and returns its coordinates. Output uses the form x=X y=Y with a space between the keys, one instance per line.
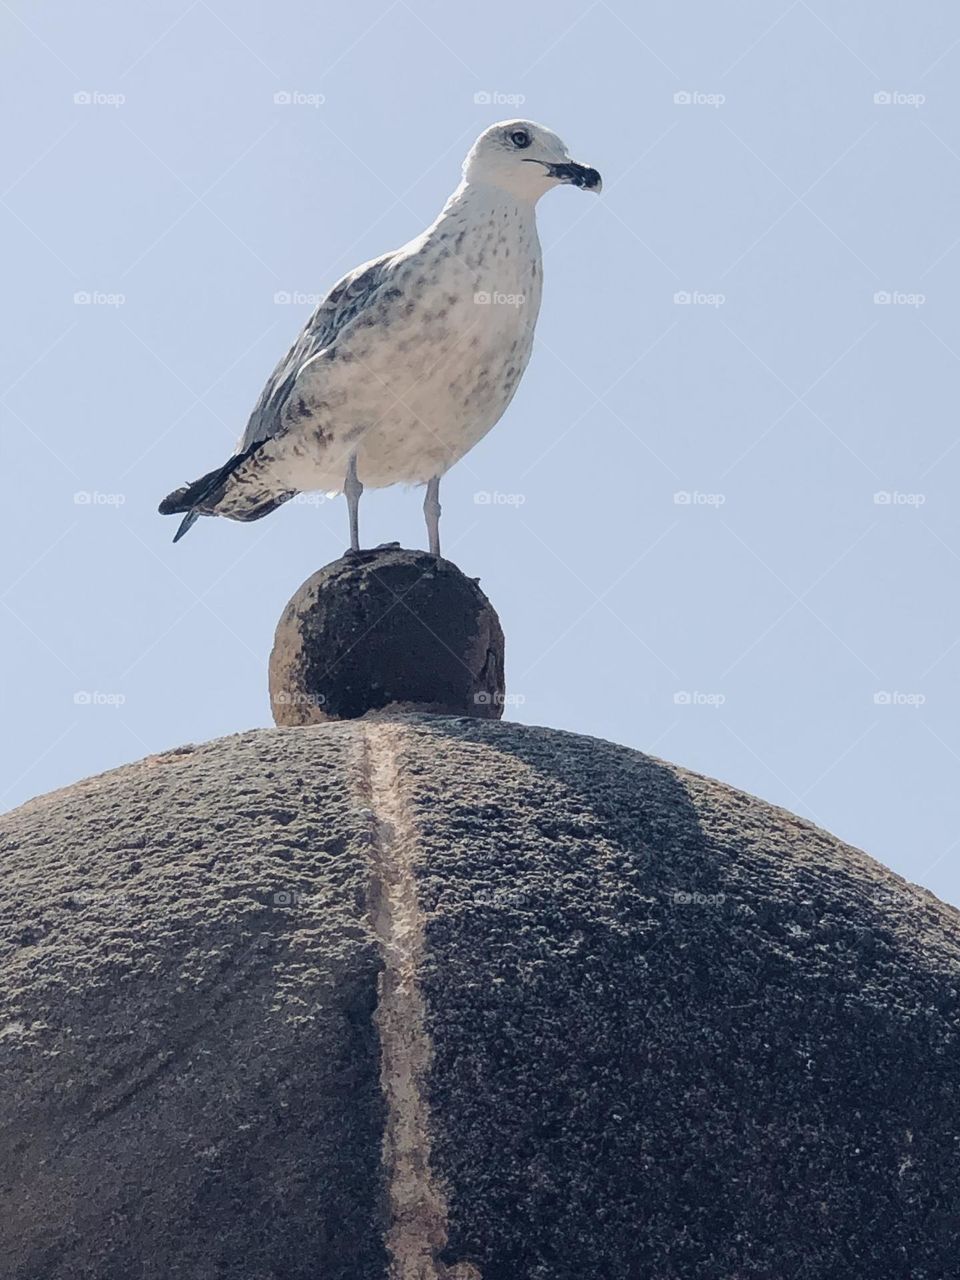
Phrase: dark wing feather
x=343 y=303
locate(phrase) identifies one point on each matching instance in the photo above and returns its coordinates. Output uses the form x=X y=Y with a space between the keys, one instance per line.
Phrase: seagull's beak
x=576 y=174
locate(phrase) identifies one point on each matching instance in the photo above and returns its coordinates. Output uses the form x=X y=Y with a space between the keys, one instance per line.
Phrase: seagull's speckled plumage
x=411 y=358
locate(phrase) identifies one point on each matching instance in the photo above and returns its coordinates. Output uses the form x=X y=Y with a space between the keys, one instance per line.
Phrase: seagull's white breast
x=426 y=372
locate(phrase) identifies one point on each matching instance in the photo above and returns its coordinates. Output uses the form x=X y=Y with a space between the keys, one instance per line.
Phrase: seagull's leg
x=431 y=510
x=352 y=489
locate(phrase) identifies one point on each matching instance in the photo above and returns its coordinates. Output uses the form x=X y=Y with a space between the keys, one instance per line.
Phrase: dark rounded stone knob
x=387 y=629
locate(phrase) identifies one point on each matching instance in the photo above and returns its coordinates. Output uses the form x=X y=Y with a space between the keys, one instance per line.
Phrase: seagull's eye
x=520 y=138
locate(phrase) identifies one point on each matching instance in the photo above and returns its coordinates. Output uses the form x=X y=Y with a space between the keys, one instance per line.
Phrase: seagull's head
x=526 y=160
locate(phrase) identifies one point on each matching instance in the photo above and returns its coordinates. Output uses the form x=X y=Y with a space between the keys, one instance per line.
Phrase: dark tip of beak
x=578 y=174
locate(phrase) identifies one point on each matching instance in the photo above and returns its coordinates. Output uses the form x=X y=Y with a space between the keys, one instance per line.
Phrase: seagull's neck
x=473 y=201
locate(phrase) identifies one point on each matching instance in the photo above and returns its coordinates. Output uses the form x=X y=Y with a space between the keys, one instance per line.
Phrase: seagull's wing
x=348 y=297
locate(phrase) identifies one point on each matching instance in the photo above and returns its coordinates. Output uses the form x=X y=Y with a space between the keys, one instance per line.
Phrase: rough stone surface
x=677 y=1033
x=658 y=1028
x=386 y=629
x=189 y=1072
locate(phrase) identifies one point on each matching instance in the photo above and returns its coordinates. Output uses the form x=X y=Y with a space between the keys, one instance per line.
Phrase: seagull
x=411 y=358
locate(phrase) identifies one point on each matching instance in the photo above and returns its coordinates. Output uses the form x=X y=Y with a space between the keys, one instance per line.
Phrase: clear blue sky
x=782 y=630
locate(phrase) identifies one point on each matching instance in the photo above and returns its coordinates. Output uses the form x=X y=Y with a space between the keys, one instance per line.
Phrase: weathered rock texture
x=461 y=1000
x=386 y=629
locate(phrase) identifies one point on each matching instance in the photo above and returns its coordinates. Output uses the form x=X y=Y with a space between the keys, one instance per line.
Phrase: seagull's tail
x=188 y=499
x=186 y=524
x=233 y=490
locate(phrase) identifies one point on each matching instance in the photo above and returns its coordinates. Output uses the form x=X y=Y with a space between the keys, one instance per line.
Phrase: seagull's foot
x=355 y=552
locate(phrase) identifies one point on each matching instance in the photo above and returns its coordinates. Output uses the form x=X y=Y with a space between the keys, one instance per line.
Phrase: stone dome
x=448 y=998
